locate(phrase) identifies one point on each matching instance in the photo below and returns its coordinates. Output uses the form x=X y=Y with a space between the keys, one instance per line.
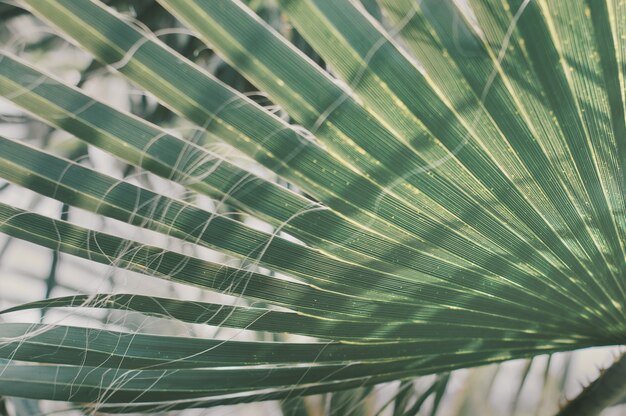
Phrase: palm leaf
x=462 y=199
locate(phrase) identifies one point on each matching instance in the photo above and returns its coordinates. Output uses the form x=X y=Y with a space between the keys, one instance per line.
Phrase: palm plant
x=447 y=198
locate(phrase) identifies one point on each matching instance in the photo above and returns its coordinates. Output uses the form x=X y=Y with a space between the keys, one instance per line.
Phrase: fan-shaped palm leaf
x=463 y=198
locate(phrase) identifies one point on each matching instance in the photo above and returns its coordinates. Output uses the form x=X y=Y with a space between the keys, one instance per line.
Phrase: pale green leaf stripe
x=230 y=22
x=261 y=319
x=531 y=132
x=59 y=104
x=318 y=21
x=96 y=347
x=150 y=57
x=108 y=249
x=88 y=189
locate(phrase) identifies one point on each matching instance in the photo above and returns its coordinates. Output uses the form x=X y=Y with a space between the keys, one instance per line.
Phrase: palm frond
x=455 y=197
